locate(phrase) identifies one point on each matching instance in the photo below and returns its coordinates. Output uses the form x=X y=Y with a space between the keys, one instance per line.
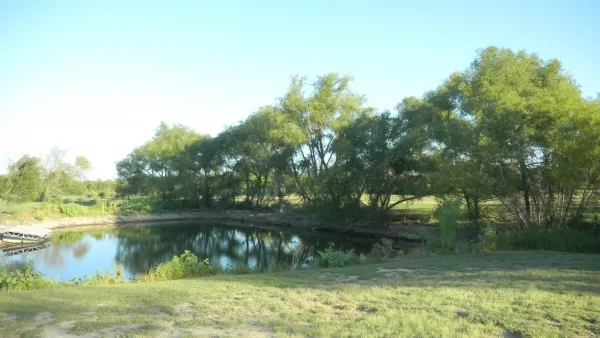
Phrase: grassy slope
x=511 y=294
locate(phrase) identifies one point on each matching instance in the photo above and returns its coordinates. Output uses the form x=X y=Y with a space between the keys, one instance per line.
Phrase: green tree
x=260 y=152
x=207 y=161
x=381 y=156
x=162 y=167
x=499 y=127
x=82 y=167
x=314 y=121
x=22 y=184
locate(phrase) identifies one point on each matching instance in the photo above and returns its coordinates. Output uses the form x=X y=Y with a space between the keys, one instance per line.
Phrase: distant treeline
x=32 y=179
x=512 y=129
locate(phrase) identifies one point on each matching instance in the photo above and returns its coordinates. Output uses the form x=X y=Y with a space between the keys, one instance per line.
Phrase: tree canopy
x=512 y=129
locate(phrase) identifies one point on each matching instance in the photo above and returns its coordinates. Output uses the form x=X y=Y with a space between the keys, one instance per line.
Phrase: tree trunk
x=476 y=211
x=525 y=186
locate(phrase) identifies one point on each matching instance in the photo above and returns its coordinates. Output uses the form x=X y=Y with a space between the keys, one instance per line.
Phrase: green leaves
x=22 y=184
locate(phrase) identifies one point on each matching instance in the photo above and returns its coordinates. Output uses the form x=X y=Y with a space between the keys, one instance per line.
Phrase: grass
x=510 y=294
x=19 y=208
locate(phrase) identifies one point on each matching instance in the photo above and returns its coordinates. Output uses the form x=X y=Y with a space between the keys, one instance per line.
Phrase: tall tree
x=315 y=121
x=162 y=166
x=381 y=156
x=82 y=167
x=55 y=168
x=497 y=124
x=22 y=184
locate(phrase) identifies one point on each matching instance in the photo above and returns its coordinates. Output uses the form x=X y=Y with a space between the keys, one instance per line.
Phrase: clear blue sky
x=97 y=77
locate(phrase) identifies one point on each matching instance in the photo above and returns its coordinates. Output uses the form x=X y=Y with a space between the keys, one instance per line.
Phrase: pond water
x=81 y=253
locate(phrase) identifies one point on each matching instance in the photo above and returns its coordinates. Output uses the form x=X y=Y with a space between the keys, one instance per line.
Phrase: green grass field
x=503 y=294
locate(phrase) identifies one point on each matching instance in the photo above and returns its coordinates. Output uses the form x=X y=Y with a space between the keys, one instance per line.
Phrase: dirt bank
x=241 y=218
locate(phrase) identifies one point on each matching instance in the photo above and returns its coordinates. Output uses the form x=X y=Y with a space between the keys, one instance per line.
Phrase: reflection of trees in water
x=222 y=245
x=80 y=250
x=73 y=242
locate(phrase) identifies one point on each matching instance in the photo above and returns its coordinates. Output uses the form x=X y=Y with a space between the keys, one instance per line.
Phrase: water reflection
x=75 y=254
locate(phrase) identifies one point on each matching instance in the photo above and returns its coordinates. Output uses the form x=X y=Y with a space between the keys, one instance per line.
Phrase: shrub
x=25 y=278
x=559 y=239
x=71 y=209
x=487 y=240
x=184 y=266
x=142 y=206
x=337 y=258
x=382 y=250
x=100 y=278
x=447 y=212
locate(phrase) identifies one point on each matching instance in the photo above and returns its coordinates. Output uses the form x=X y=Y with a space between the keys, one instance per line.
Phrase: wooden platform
x=25 y=234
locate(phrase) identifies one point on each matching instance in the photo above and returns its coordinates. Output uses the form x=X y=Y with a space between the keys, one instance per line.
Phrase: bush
x=141 y=206
x=184 y=266
x=488 y=240
x=100 y=278
x=71 y=210
x=559 y=239
x=447 y=212
x=25 y=278
x=382 y=250
x=337 y=258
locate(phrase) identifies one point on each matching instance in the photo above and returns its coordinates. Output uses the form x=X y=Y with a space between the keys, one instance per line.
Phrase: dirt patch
x=170 y=331
x=185 y=310
x=8 y=318
x=62 y=330
x=346 y=279
x=382 y=270
x=159 y=313
x=43 y=318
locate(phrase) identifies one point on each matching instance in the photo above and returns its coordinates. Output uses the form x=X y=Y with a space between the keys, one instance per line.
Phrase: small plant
x=120 y=268
x=100 y=278
x=382 y=250
x=184 y=266
x=25 y=278
x=487 y=239
x=337 y=258
x=71 y=209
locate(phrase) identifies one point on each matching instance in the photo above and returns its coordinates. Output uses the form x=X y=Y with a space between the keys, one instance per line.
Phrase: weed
x=186 y=265
x=22 y=278
x=337 y=258
x=382 y=250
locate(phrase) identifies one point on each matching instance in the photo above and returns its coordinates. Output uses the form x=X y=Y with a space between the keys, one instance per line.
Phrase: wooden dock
x=25 y=234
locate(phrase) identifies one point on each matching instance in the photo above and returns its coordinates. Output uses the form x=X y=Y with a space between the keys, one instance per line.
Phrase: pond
x=80 y=253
